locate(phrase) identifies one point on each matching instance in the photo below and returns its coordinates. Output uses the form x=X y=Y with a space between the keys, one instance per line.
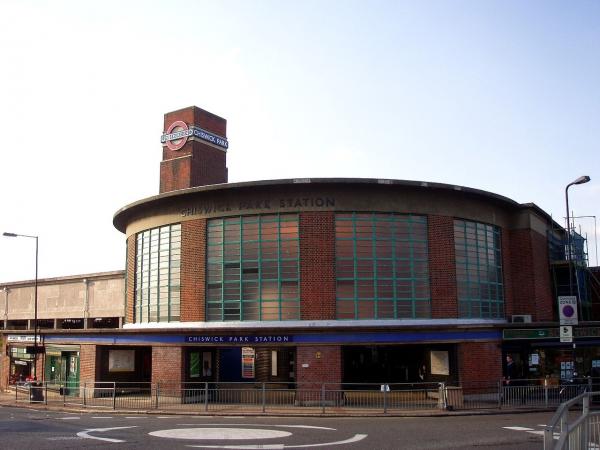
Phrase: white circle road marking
x=310 y=427
x=355 y=438
x=219 y=433
x=84 y=434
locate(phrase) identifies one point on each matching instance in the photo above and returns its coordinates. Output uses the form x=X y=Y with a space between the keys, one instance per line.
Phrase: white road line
x=538 y=432
x=84 y=434
x=355 y=438
x=518 y=428
x=167 y=417
x=68 y=418
x=101 y=417
x=310 y=427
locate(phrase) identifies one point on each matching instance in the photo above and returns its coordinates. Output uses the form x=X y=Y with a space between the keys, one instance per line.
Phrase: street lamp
x=580 y=180
x=35 y=302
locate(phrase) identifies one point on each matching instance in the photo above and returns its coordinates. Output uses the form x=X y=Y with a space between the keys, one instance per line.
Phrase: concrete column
x=5 y=315
x=86 y=304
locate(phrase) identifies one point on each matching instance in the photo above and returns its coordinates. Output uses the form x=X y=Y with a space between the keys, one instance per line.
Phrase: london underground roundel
x=176 y=135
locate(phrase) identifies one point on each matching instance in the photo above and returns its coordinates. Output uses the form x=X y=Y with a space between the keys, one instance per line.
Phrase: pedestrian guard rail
x=575 y=425
x=322 y=398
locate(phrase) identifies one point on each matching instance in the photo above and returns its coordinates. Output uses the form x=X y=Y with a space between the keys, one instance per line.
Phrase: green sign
x=549 y=333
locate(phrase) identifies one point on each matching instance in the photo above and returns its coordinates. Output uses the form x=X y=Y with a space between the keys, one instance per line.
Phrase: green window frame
x=253 y=269
x=157 y=275
x=382 y=266
x=479 y=278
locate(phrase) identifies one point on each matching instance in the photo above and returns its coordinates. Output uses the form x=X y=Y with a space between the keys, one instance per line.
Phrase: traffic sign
x=566 y=333
x=567 y=310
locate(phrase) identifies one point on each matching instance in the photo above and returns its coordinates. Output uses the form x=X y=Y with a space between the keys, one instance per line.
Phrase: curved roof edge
x=120 y=217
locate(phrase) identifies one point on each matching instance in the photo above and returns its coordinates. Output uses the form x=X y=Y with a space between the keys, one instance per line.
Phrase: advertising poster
x=121 y=360
x=248 y=356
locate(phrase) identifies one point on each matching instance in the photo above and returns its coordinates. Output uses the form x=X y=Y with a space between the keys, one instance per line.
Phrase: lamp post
x=580 y=180
x=35 y=300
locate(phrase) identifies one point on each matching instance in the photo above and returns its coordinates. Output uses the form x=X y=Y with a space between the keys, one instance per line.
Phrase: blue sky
x=502 y=96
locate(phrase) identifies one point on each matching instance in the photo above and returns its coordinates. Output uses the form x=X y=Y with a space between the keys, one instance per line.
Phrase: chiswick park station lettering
x=258 y=205
x=237 y=339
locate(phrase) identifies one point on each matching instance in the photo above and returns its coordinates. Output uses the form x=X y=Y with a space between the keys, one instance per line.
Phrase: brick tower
x=194 y=149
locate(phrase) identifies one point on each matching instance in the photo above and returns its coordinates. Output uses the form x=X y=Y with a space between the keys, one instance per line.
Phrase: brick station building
x=322 y=280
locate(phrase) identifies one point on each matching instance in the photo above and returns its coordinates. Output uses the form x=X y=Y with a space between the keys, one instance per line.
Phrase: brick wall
x=4 y=367
x=530 y=275
x=196 y=163
x=167 y=365
x=470 y=361
x=130 y=282
x=317 y=265
x=326 y=369
x=442 y=268
x=193 y=270
x=88 y=367
x=509 y=301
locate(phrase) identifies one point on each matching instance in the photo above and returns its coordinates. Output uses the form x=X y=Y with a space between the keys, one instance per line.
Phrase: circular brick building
x=320 y=280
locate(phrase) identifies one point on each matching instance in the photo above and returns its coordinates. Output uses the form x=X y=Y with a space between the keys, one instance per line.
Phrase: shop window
x=478 y=270
x=252 y=268
x=381 y=266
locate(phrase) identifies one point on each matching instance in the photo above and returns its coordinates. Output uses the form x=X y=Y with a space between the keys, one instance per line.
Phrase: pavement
x=8 y=398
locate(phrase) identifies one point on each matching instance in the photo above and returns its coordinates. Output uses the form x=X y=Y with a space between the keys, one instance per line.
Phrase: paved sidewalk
x=7 y=398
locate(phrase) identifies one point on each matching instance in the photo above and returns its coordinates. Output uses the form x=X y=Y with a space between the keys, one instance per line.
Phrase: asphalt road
x=31 y=429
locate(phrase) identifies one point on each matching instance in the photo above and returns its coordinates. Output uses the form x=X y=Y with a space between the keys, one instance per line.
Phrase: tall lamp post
x=35 y=300
x=580 y=180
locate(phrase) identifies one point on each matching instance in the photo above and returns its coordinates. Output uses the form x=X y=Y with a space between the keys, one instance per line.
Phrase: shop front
x=62 y=367
x=539 y=353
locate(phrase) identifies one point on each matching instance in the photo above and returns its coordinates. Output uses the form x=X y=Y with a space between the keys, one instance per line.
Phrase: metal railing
x=320 y=398
x=581 y=432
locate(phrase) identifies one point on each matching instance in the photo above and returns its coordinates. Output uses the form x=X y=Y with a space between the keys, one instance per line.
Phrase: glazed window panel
x=157 y=275
x=381 y=266
x=478 y=270
x=258 y=259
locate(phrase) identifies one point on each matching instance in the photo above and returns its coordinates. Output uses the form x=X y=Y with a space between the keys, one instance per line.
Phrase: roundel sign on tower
x=176 y=135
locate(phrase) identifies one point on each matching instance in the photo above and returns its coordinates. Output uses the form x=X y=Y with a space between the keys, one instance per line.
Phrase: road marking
x=84 y=434
x=219 y=433
x=355 y=438
x=518 y=428
x=69 y=418
x=101 y=417
x=64 y=438
x=538 y=432
x=310 y=427
x=167 y=417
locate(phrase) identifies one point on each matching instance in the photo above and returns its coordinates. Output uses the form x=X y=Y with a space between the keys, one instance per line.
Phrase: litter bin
x=36 y=392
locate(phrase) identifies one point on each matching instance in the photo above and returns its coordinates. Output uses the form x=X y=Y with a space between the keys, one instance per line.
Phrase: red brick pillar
x=193 y=270
x=130 y=281
x=530 y=275
x=442 y=267
x=316 y=365
x=88 y=369
x=167 y=365
x=479 y=364
x=317 y=265
x=4 y=368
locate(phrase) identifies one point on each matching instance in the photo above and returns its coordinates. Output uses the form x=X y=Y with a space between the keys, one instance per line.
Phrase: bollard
x=323 y=398
x=206 y=396
x=84 y=386
x=46 y=393
x=157 y=395
x=64 y=394
x=264 y=400
x=114 y=399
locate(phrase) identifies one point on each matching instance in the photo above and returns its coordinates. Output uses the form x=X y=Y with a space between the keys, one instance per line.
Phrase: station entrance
x=398 y=364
